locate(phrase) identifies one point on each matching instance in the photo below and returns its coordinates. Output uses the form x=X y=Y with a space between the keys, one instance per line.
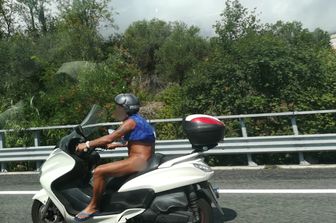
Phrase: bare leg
x=118 y=168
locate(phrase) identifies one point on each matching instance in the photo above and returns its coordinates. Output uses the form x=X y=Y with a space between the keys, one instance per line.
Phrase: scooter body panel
x=57 y=164
x=41 y=196
x=113 y=218
x=164 y=179
x=117 y=218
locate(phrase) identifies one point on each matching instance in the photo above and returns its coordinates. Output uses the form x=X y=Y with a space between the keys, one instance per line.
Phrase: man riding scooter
x=140 y=140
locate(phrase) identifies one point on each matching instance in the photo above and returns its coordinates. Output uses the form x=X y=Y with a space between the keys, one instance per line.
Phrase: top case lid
x=204 y=119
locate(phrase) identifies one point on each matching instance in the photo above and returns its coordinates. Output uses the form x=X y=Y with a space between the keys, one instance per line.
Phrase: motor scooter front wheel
x=52 y=215
x=205 y=211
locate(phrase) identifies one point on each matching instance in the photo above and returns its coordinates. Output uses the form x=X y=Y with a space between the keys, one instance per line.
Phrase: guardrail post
x=244 y=133
x=296 y=132
x=36 y=144
x=2 y=145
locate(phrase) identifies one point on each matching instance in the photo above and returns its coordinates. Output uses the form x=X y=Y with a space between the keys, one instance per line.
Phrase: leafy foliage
x=247 y=67
x=143 y=39
x=172 y=99
x=181 y=51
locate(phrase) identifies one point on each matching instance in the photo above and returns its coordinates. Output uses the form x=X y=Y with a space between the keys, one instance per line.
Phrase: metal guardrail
x=270 y=144
x=240 y=145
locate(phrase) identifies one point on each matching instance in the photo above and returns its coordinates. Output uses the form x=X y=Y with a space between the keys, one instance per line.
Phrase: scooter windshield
x=89 y=126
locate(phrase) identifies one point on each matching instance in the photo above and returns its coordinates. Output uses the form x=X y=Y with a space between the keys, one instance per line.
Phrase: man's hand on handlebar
x=81 y=147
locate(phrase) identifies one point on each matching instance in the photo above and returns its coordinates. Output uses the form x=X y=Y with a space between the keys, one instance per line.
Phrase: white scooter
x=168 y=191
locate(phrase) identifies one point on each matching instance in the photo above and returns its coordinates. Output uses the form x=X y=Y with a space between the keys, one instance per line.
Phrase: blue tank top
x=142 y=132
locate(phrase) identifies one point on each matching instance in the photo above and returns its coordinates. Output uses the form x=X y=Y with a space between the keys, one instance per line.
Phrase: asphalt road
x=238 y=206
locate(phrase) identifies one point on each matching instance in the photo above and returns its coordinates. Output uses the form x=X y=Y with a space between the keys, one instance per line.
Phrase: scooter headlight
x=203 y=167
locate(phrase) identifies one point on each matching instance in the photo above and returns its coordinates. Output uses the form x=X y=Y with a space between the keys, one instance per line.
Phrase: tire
x=205 y=211
x=52 y=215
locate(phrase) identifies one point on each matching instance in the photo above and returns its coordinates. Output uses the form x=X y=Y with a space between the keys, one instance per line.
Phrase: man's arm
x=125 y=128
x=116 y=145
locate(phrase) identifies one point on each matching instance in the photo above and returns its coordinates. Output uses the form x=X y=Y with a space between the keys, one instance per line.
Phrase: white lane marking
x=227 y=191
x=17 y=192
x=277 y=191
x=19 y=173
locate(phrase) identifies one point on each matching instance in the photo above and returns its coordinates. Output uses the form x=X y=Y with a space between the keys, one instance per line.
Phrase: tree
x=67 y=101
x=217 y=83
x=78 y=28
x=21 y=75
x=236 y=22
x=7 y=17
x=180 y=52
x=36 y=15
x=262 y=70
x=86 y=13
x=143 y=39
x=297 y=36
x=28 y=61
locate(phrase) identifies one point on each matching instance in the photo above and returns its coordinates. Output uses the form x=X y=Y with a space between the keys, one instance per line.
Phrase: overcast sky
x=204 y=13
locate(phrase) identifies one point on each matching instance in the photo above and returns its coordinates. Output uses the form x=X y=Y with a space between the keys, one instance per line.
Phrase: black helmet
x=129 y=102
